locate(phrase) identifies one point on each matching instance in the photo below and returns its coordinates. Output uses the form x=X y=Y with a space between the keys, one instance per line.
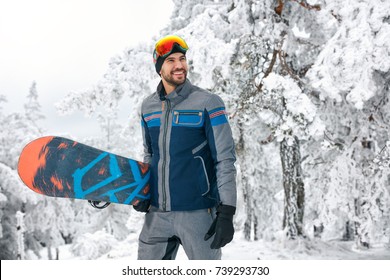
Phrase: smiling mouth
x=178 y=73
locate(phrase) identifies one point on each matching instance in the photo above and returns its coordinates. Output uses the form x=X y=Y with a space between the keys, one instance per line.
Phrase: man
x=189 y=146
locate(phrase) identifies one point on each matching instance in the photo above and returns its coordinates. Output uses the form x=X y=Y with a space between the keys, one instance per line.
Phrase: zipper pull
x=176 y=119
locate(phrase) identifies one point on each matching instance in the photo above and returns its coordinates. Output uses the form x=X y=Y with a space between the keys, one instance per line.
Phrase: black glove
x=142 y=206
x=222 y=227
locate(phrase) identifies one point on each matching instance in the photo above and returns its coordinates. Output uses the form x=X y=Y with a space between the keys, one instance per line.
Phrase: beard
x=171 y=79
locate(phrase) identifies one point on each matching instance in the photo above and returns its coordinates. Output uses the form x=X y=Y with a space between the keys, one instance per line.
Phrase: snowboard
x=60 y=167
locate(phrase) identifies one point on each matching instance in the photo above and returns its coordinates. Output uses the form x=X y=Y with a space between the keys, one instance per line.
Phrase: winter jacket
x=188 y=143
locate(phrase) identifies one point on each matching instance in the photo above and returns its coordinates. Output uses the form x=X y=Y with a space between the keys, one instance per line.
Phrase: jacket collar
x=178 y=95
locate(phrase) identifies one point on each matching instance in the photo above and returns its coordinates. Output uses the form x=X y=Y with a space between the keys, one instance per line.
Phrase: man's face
x=174 y=69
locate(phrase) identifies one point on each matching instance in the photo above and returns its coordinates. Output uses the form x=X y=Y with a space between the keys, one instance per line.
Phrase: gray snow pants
x=163 y=232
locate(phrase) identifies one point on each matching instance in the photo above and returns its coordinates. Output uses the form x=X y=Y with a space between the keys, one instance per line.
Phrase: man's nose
x=178 y=64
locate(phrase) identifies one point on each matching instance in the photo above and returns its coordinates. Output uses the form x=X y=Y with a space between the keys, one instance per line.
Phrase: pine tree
x=33 y=108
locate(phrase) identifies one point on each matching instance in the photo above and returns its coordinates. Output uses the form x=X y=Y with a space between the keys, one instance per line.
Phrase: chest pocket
x=188 y=118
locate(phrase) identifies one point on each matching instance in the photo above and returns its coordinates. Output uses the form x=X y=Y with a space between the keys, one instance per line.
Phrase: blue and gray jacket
x=189 y=145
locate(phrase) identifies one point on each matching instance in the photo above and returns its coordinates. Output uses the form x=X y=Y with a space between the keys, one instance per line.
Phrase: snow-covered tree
x=351 y=78
x=129 y=78
x=267 y=89
x=32 y=108
x=14 y=128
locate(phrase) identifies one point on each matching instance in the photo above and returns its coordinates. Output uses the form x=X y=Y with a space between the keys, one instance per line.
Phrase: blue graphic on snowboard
x=61 y=167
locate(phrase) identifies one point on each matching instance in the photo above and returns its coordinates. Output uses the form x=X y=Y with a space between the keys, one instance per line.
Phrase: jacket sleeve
x=146 y=141
x=220 y=139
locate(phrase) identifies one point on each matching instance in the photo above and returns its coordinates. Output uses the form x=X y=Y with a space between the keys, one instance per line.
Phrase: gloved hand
x=222 y=227
x=142 y=206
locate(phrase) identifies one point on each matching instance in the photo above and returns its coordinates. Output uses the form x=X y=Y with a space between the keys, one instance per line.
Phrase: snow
x=300 y=33
x=352 y=47
x=241 y=249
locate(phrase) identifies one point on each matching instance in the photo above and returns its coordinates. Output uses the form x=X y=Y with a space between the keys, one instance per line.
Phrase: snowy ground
x=120 y=256
x=240 y=249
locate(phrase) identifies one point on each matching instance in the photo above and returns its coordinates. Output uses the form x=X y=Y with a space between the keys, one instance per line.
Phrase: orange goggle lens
x=165 y=45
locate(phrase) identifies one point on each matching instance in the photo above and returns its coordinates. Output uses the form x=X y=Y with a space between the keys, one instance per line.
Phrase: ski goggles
x=165 y=45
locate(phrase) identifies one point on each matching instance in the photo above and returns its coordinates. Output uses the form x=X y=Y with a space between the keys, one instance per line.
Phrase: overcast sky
x=65 y=45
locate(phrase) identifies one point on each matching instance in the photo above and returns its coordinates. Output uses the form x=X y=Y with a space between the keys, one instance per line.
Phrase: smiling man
x=189 y=146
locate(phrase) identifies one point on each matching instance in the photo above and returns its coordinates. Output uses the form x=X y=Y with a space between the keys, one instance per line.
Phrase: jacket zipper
x=205 y=174
x=165 y=154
